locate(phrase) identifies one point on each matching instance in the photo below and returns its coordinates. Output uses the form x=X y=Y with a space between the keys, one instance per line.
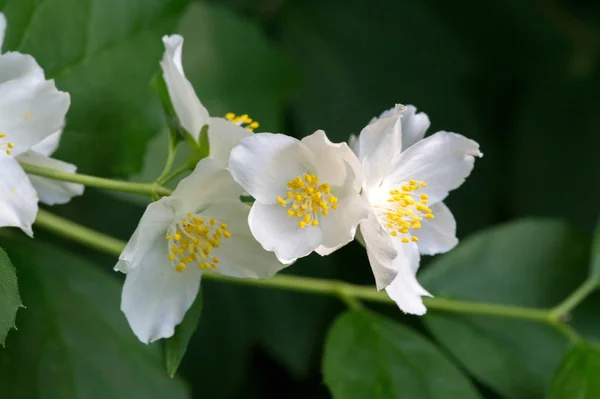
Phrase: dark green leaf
x=176 y=346
x=73 y=341
x=531 y=263
x=369 y=356
x=578 y=377
x=10 y=301
x=104 y=53
x=595 y=261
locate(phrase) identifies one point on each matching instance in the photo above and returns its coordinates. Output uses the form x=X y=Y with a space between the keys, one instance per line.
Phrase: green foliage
x=176 y=346
x=73 y=342
x=10 y=300
x=577 y=376
x=595 y=268
x=104 y=53
x=369 y=356
x=530 y=263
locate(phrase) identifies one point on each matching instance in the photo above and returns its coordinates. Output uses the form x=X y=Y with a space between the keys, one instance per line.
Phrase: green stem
x=99 y=182
x=351 y=294
x=561 y=311
x=173 y=141
x=174 y=174
x=83 y=235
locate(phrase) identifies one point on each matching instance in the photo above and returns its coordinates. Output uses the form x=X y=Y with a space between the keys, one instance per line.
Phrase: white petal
x=191 y=113
x=30 y=111
x=278 y=232
x=155 y=297
x=330 y=160
x=15 y=66
x=209 y=183
x=443 y=161
x=223 y=136
x=380 y=250
x=49 y=145
x=339 y=227
x=149 y=234
x=50 y=191
x=414 y=126
x=264 y=163
x=2 y=29
x=378 y=143
x=438 y=235
x=241 y=255
x=405 y=290
x=18 y=199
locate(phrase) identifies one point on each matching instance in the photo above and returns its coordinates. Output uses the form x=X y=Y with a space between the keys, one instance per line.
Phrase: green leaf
x=104 y=53
x=369 y=356
x=532 y=263
x=577 y=376
x=10 y=301
x=176 y=346
x=595 y=261
x=73 y=341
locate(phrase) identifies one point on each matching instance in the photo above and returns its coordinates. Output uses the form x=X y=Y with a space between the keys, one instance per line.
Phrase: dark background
x=520 y=77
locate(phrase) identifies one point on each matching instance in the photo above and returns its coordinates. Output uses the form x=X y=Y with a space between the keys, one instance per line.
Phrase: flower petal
x=207 y=184
x=264 y=163
x=438 y=235
x=149 y=234
x=339 y=227
x=405 y=290
x=50 y=191
x=378 y=142
x=155 y=297
x=2 y=29
x=380 y=250
x=330 y=160
x=15 y=66
x=241 y=255
x=414 y=126
x=18 y=199
x=223 y=136
x=278 y=232
x=191 y=113
x=48 y=145
x=30 y=111
x=443 y=161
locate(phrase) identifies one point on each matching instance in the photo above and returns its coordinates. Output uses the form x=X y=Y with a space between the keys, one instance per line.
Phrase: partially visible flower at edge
x=407 y=177
x=201 y=227
x=307 y=192
x=223 y=133
x=32 y=114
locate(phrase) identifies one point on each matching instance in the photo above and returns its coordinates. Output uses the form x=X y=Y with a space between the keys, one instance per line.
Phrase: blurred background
x=521 y=77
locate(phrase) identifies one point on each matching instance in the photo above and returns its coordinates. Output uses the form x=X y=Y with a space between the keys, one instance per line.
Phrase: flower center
x=406 y=210
x=243 y=120
x=192 y=240
x=5 y=146
x=306 y=199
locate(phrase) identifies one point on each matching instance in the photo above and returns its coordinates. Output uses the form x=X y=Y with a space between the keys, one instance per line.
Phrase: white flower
x=32 y=113
x=306 y=192
x=223 y=133
x=202 y=226
x=406 y=179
